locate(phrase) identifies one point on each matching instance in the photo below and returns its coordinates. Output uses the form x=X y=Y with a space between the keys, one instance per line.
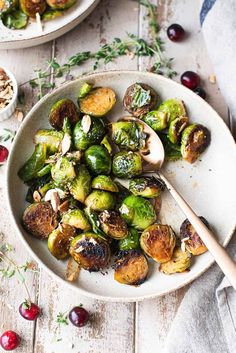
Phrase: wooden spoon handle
x=225 y=262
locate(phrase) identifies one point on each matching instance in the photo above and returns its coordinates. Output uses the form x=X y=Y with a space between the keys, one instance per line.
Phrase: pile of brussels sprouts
x=16 y=13
x=76 y=201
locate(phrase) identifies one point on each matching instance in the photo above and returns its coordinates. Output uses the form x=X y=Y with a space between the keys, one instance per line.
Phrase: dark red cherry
x=200 y=92
x=78 y=316
x=29 y=311
x=10 y=340
x=3 y=153
x=190 y=79
x=175 y=32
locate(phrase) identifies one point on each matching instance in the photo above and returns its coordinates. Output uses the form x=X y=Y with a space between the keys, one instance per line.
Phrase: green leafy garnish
x=62 y=318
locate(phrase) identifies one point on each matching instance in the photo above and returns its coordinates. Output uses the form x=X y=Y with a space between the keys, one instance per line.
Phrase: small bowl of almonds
x=8 y=94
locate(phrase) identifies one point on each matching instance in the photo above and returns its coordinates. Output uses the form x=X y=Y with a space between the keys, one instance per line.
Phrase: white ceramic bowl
x=10 y=108
x=208 y=185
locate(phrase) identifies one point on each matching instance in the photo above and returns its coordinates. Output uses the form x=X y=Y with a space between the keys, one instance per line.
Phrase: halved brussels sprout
x=104 y=182
x=193 y=243
x=158 y=242
x=131 y=241
x=149 y=187
x=36 y=184
x=174 y=108
x=176 y=128
x=195 y=139
x=63 y=171
x=90 y=251
x=98 y=160
x=105 y=142
x=31 y=7
x=52 y=14
x=100 y=200
x=180 y=262
x=95 y=223
x=60 y=4
x=39 y=219
x=128 y=135
x=85 y=136
x=139 y=99
x=131 y=267
x=98 y=102
x=76 y=218
x=7 y=5
x=44 y=171
x=14 y=19
x=80 y=187
x=62 y=109
x=137 y=212
x=34 y=163
x=127 y=164
x=85 y=89
x=158 y=121
x=50 y=138
x=59 y=241
x=113 y=224
x=172 y=151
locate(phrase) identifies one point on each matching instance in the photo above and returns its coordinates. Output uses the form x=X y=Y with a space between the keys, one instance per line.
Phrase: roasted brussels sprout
x=60 y=4
x=31 y=7
x=98 y=102
x=128 y=135
x=98 y=160
x=172 y=151
x=87 y=132
x=127 y=164
x=100 y=200
x=85 y=89
x=195 y=139
x=113 y=224
x=51 y=15
x=90 y=251
x=50 y=138
x=34 y=163
x=174 y=108
x=62 y=109
x=131 y=241
x=76 y=218
x=158 y=241
x=176 y=128
x=44 y=171
x=80 y=187
x=37 y=184
x=104 y=182
x=59 y=241
x=149 y=187
x=63 y=171
x=139 y=99
x=180 y=262
x=131 y=267
x=137 y=212
x=39 y=219
x=193 y=243
x=95 y=223
x=158 y=121
x=15 y=19
x=106 y=143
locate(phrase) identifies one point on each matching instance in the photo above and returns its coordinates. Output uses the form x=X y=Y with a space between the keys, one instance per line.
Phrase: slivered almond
x=55 y=201
x=36 y=196
x=72 y=270
x=65 y=143
x=86 y=123
x=64 y=206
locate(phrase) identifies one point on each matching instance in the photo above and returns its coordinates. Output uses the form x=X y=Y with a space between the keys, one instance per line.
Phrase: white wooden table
x=117 y=328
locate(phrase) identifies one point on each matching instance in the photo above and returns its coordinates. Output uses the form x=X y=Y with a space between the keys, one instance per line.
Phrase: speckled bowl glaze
x=208 y=185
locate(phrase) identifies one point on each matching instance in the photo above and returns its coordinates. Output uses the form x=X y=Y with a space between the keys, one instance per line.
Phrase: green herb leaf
x=62 y=319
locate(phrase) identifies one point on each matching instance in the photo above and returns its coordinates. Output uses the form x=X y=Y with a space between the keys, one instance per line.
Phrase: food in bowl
x=6 y=89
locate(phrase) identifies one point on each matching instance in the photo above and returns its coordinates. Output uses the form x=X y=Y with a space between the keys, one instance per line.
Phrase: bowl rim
x=15 y=90
x=34 y=255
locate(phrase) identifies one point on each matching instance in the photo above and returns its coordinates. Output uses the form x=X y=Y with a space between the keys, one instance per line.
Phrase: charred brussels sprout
x=87 y=132
x=127 y=164
x=131 y=267
x=98 y=102
x=90 y=251
x=131 y=241
x=158 y=242
x=100 y=200
x=51 y=15
x=62 y=109
x=172 y=151
x=149 y=187
x=113 y=224
x=139 y=99
x=59 y=241
x=34 y=163
x=15 y=19
x=98 y=160
x=31 y=7
x=76 y=218
x=128 y=135
x=63 y=171
x=180 y=262
x=176 y=128
x=137 y=212
x=158 y=121
x=39 y=219
x=174 y=108
x=50 y=138
x=80 y=187
x=104 y=182
x=60 y=4
x=195 y=139
x=193 y=243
